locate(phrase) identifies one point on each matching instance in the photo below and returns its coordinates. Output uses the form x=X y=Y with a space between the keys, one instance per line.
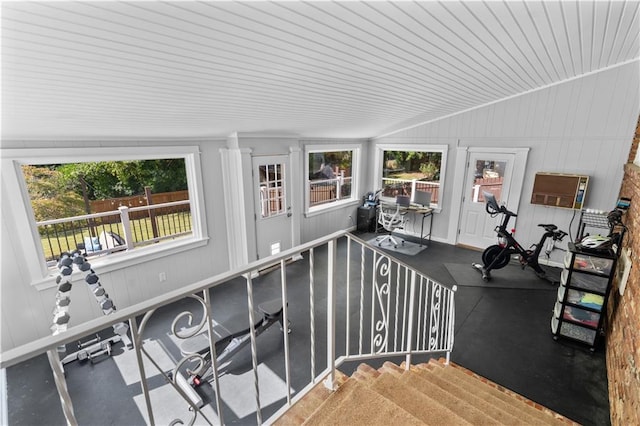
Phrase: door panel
x=273 y=208
x=490 y=172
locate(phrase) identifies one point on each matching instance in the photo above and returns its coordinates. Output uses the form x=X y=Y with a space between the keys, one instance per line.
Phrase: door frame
x=515 y=188
x=290 y=211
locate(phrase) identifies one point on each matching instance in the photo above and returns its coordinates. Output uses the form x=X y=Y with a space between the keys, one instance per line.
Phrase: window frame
x=31 y=250
x=416 y=147
x=355 y=167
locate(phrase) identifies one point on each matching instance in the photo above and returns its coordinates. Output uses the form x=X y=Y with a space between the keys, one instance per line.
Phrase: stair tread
x=504 y=394
x=303 y=408
x=430 y=393
x=495 y=408
x=415 y=402
x=497 y=396
x=464 y=409
x=337 y=409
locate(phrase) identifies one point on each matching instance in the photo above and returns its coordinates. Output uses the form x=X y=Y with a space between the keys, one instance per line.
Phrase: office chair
x=391 y=218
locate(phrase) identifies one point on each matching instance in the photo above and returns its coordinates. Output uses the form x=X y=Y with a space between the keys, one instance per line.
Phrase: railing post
x=152 y=212
x=285 y=327
x=413 y=190
x=126 y=226
x=412 y=298
x=137 y=343
x=61 y=385
x=214 y=355
x=312 y=319
x=330 y=382
x=451 y=328
x=254 y=349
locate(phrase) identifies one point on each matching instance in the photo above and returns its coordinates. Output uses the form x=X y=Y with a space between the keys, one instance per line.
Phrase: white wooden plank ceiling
x=100 y=70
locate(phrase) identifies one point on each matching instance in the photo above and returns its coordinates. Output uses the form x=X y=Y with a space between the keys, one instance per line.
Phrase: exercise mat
x=408 y=248
x=511 y=276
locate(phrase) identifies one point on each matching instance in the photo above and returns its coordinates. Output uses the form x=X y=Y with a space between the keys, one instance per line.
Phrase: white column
x=233 y=182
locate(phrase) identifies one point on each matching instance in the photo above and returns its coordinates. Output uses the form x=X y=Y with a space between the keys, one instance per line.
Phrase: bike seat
x=271 y=309
x=200 y=342
x=550 y=227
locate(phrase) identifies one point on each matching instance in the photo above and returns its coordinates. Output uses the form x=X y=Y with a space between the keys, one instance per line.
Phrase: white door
x=273 y=206
x=491 y=172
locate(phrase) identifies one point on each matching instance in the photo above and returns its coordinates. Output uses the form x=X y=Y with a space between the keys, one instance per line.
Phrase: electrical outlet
x=162 y=276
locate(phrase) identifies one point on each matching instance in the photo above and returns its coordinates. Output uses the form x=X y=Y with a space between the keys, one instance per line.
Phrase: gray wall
x=26 y=311
x=582 y=126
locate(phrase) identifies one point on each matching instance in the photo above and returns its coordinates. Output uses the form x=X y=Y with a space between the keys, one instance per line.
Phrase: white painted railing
x=392 y=187
x=324 y=191
x=376 y=307
x=122 y=229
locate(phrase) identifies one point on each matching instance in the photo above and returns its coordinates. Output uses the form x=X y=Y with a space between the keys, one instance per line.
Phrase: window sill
x=112 y=262
x=315 y=211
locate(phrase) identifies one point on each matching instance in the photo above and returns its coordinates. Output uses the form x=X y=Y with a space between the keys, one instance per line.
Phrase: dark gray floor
x=501 y=333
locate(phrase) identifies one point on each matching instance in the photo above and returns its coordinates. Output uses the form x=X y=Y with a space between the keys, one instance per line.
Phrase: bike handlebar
x=492 y=206
x=501 y=209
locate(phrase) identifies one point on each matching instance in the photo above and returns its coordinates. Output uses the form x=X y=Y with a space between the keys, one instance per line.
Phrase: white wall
x=583 y=126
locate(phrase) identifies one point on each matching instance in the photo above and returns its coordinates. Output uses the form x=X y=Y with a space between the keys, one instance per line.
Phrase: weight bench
x=230 y=337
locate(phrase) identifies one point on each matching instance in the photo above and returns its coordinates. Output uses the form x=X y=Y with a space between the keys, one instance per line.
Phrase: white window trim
x=380 y=148
x=13 y=182
x=355 y=182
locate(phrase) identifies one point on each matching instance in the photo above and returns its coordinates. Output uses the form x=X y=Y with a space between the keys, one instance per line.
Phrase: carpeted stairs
x=426 y=394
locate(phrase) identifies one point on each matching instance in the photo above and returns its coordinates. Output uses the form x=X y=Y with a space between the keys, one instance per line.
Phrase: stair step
x=528 y=406
x=501 y=412
x=493 y=395
x=339 y=408
x=424 y=408
x=302 y=409
x=365 y=372
x=464 y=409
x=430 y=393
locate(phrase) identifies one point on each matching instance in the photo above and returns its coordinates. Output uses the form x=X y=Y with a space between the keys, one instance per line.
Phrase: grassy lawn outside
x=406 y=175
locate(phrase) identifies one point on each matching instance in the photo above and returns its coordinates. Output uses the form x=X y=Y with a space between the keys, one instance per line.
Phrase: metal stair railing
x=399 y=312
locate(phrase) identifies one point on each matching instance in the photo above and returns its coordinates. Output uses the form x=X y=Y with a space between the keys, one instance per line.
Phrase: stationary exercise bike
x=497 y=256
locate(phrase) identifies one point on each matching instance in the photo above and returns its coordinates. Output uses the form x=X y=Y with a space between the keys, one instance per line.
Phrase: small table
x=424 y=211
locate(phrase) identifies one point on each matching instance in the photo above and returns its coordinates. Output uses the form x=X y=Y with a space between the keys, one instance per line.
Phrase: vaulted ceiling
x=98 y=70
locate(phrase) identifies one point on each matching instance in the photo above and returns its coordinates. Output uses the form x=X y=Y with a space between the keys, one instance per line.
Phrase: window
x=272 y=197
x=105 y=201
x=405 y=171
x=330 y=179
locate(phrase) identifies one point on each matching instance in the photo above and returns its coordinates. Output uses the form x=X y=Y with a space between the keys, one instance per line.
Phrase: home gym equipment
x=94 y=348
x=228 y=340
x=497 y=256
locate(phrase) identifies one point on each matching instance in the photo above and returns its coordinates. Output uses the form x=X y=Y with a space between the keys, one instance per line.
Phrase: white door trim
x=515 y=189
x=288 y=213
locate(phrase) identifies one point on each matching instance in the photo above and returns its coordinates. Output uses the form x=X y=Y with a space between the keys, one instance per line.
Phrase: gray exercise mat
x=511 y=276
x=408 y=248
